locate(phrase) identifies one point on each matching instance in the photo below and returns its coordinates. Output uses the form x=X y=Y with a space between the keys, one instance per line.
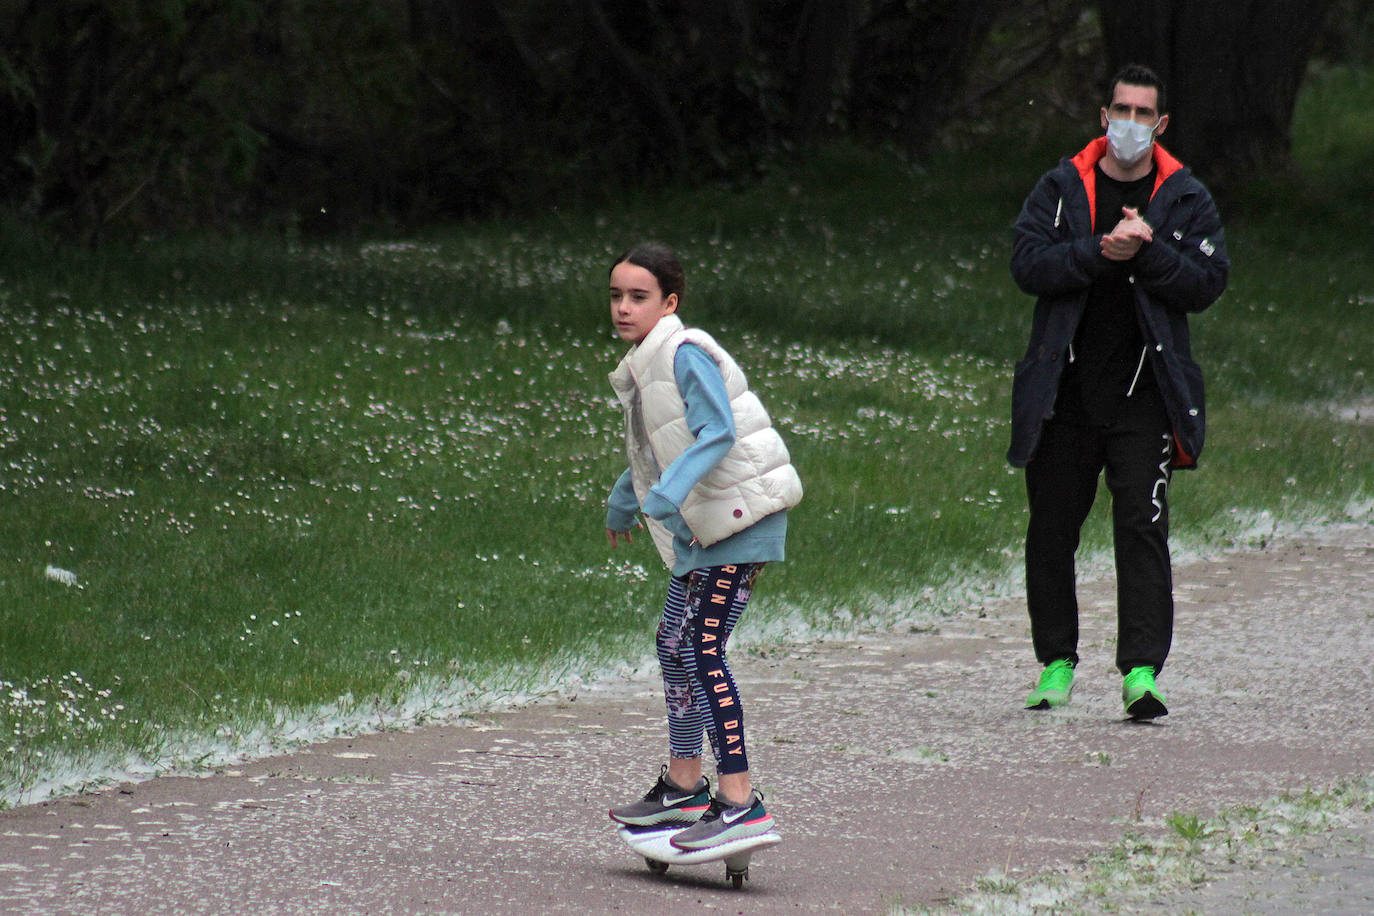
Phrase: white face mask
x=1129 y=140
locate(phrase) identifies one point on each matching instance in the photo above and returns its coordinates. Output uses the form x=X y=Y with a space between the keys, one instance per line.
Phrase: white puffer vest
x=753 y=480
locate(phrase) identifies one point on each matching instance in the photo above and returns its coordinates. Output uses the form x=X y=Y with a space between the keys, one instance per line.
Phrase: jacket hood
x=1090 y=155
x=1166 y=165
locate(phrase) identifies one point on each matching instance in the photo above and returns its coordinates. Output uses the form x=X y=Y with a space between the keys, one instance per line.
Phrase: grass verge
x=1256 y=851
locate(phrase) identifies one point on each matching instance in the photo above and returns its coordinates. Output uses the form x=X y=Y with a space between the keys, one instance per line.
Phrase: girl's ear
x=670 y=304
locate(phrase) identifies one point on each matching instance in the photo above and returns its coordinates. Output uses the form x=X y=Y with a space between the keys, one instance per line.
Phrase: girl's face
x=637 y=302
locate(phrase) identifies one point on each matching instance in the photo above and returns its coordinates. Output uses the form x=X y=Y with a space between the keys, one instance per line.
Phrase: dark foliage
x=1233 y=71
x=130 y=116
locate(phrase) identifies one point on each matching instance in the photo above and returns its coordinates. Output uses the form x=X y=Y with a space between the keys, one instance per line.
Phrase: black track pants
x=1061 y=483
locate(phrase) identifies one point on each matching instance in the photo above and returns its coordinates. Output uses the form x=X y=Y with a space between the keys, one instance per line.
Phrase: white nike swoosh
x=669 y=800
x=725 y=815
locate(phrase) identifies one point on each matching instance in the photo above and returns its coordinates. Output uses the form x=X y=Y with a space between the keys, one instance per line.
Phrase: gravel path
x=901 y=770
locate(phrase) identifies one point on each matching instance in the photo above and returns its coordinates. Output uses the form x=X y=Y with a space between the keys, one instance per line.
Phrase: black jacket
x=1056 y=257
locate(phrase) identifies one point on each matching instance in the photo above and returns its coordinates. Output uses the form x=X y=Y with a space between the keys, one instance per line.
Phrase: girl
x=714 y=481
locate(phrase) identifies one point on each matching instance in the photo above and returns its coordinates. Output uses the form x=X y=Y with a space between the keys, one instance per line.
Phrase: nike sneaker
x=1140 y=695
x=1056 y=683
x=725 y=822
x=665 y=803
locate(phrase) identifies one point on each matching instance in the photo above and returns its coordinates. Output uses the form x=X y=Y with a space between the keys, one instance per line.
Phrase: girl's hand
x=613 y=535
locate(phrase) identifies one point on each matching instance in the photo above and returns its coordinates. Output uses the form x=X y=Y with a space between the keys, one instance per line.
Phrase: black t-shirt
x=1107 y=346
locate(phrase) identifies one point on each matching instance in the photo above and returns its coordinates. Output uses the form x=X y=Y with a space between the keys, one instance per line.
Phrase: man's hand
x=1123 y=242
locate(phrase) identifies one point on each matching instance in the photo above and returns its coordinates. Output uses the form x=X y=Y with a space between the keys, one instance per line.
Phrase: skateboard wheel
x=656 y=866
x=737 y=879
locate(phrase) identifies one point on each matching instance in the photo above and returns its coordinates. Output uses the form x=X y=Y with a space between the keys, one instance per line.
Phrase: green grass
x=364 y=479
x=1149 y=868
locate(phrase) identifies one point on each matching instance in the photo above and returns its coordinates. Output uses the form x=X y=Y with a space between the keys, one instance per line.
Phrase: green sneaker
x=1142 y=698
x=1056 y=683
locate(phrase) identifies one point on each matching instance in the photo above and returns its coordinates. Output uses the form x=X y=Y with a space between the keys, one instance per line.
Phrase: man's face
x=1135 y=103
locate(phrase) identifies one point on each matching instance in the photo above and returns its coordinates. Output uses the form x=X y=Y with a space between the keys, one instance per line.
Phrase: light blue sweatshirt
x=711 y=420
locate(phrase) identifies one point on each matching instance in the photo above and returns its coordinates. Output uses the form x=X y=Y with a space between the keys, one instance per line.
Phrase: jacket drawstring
x=1139 y=367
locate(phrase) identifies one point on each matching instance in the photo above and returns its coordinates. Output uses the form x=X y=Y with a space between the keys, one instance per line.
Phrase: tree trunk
x=644 y=80
x=1231 y=71
x=911 y=61
x=820 y=50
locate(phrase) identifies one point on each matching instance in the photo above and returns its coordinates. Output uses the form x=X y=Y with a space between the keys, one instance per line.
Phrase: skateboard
x=654 y=843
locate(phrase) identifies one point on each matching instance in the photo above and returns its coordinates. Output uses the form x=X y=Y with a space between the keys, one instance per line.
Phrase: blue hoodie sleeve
x=622 y=506
x=710 y=420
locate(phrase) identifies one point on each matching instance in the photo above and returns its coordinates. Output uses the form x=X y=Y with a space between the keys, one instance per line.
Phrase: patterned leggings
x=698 y=618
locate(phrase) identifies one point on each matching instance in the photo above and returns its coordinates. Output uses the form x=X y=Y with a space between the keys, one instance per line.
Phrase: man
x=1119 y=244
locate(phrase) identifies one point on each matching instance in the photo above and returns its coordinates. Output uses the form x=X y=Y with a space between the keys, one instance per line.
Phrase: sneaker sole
x=1147 y=707
x=684 y=816
x=739 y=832
x=1045 y=702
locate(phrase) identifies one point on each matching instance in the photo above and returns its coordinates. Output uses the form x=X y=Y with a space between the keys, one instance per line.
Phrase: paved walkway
x=900 y=767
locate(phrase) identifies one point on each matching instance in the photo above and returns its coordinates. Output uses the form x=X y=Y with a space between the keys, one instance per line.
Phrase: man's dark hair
x=1138 y=75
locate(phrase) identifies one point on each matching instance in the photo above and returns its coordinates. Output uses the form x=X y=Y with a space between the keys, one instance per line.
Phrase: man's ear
x=1163 y=125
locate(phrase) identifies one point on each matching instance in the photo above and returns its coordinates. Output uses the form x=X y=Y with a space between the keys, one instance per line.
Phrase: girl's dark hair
x=659 y=260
